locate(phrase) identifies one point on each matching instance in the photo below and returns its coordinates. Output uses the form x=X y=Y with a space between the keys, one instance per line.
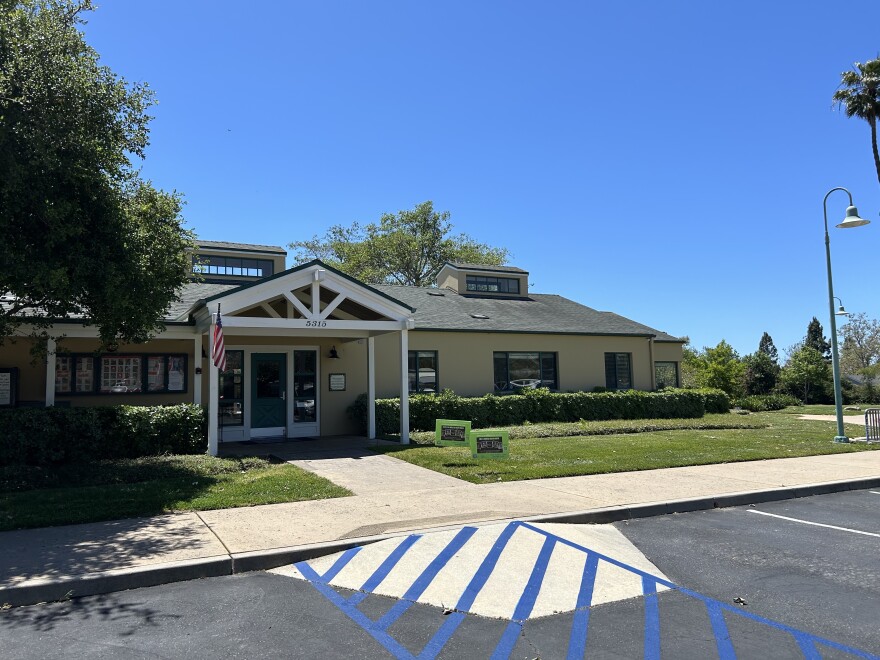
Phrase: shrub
x=764 y=402
x=45 y=436
x=538 y=406
x=715 y=401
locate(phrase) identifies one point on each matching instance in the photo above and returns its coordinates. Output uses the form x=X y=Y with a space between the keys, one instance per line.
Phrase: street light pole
x=852 y=220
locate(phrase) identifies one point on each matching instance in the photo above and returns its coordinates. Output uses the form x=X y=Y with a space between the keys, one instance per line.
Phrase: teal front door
x=269 y=393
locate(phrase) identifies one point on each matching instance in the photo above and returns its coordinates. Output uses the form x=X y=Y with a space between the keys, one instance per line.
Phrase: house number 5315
x=316 y=324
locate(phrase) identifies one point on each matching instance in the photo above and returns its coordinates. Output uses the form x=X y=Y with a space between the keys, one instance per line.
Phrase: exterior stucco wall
x=465 y=359
x=31 y=377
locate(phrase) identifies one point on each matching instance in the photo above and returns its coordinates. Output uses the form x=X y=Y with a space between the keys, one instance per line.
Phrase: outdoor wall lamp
x=333 y=354
x=852 y=219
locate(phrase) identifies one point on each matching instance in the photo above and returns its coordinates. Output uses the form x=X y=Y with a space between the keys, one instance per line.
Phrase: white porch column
x=404 y=387
x=50 y=372
x=197 y=368
x=371 y=388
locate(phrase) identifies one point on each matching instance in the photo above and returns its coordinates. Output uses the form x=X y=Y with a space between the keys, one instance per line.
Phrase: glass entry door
x=305 y=392
x=268 y=394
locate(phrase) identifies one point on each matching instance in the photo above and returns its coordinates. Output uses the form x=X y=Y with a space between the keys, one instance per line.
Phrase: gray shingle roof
x=190 y=294
x=537 y=313
x=543 y=313
x=488 y=269
x=221 y=245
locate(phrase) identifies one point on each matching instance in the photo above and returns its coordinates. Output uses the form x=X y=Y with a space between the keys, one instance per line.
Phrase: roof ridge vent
x=479 y=316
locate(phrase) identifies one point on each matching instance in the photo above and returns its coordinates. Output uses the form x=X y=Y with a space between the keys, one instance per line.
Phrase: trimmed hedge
x=46 y=436
x=764 y=402
x=540 y=405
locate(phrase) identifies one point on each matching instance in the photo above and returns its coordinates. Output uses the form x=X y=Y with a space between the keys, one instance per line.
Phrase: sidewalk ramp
x=487 y=570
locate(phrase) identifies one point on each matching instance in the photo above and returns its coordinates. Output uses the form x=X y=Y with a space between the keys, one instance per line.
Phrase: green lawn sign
x=452 y=433
x=489 y=444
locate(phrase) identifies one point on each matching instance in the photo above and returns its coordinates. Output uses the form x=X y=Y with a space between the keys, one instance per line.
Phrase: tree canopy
x=859 y=96
x=409 y=247
x=82 y=232
x=816 y=339
x=768 y=348
x=861 y=344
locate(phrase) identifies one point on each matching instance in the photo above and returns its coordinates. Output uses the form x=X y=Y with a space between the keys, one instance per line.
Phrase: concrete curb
x=66 y=587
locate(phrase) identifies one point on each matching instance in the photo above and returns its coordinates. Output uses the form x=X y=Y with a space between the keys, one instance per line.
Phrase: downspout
x=651 y=365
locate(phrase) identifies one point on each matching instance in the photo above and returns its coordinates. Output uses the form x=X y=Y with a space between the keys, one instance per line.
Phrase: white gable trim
x=316 y=277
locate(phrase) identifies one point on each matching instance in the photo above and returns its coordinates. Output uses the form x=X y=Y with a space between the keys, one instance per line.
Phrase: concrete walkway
x=391 y=497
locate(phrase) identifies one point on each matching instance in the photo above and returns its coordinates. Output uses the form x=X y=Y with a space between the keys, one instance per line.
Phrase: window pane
x=85 y=374
x=231 y=390
x=176 y=373
x=412 y=360
x=548 y=370
x=524 y=366
x=120 y=374
x=155 y=373
x=63 y=374
x=428 y=372
x=502 y=382
x=624 y=380
x=666 y=374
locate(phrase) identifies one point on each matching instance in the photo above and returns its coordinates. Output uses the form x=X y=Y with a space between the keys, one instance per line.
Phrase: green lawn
x=107 y=490
x=770 y=435
x=827 y=409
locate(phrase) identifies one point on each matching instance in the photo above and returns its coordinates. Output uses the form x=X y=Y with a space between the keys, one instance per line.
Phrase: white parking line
x=875 y=492
x=807 y=522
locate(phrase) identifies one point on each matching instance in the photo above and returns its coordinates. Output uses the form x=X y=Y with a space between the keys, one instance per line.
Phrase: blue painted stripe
x=340 y=563
x=652 y=619
x=722 y=636
x=424 y=580
x=393 y=614
x=730 y=608
x=482 y=575
x=508 y=641
x=384 y=569
x=807 y=647
x=577 y=643
x=799 y=635
x=530 y=593
x=438 y=641
x=388 y=642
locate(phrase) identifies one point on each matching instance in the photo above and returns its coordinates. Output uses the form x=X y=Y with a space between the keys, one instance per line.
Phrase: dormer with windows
x=479 y=280
x=236 y=263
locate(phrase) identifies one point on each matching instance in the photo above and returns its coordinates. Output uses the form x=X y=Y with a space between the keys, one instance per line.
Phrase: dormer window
x=216 y=265
x=481 y=284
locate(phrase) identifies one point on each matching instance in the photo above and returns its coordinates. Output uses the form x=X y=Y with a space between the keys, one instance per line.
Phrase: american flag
x=218 y=352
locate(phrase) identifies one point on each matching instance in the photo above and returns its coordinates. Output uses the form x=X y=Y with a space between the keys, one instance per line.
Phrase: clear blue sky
x=665 y=161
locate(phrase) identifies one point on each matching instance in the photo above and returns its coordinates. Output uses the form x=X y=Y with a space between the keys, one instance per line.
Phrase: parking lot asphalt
x=804 y=590
x=812 y=563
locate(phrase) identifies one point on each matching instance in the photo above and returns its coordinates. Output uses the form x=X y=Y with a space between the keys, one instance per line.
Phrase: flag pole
x=213 y=391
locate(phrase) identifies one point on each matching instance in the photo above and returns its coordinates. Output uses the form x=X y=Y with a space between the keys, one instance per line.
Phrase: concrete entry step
x=514 y=571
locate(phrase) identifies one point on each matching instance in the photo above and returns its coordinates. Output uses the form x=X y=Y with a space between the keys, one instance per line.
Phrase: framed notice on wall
x=452 y=433
x=337 y=382
x=489 y=444
x=8 y=386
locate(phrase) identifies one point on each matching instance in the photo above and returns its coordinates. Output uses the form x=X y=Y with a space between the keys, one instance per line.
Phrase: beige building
x=303 y=343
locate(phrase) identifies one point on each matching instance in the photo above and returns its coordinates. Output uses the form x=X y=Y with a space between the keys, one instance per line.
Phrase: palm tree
x=859 y=94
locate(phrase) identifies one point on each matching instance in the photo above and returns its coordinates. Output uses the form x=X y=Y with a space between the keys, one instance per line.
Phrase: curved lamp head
x=841 y=312
x=852 y=219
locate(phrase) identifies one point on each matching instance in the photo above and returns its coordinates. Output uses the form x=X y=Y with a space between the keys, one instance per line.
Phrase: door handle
x=283 y=395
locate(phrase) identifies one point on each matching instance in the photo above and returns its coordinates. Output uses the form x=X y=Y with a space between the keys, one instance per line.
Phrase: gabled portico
x=278 y=325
